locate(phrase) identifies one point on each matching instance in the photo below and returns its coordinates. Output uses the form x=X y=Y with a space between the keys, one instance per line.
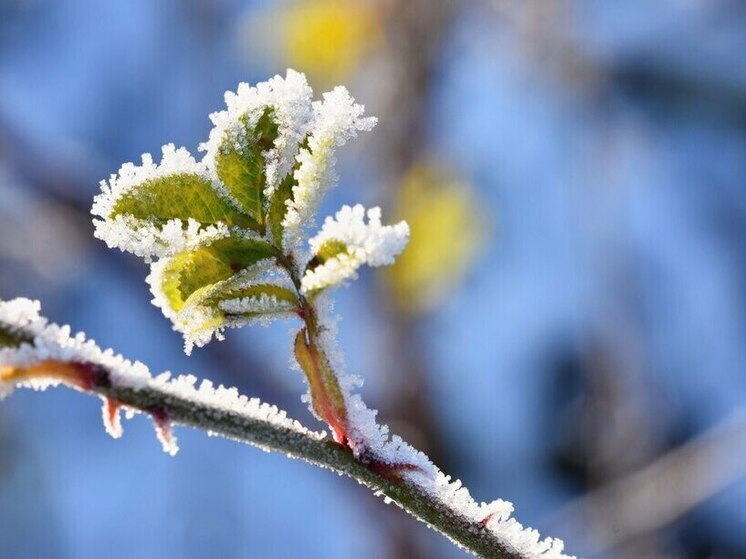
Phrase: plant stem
x=327 y=398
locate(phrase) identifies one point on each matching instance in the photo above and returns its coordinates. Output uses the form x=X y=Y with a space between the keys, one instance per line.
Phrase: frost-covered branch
x=37 y=354
x=228 y=244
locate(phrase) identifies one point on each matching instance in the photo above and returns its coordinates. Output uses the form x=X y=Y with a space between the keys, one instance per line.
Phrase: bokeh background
x=567 y=329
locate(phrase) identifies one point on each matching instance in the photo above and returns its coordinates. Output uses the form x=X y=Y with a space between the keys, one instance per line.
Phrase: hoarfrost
x=200 y=323
x=366 y=243
x=263 y=304
x=110 y=413
x=54 y=344
x=291 y=99
x=371 y=440
x=140 y=237
x=337 y=119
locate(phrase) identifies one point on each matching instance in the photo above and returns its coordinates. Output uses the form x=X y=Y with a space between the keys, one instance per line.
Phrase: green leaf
x=178 y=196
x=278 y=204
x=278 y=207
x=193 y=273
x=328 y=250
x=241 y=166
x=204 y=316
x=13 y=337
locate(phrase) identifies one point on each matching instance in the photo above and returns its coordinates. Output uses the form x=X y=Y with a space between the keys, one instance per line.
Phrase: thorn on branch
x=112 y=417
x=163 y=430
x=486 y=520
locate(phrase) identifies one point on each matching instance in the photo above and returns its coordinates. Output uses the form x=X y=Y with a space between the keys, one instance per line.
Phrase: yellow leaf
x=447 y=229
x=327 y=38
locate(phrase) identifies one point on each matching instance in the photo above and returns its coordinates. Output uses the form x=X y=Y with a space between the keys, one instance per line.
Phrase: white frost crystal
x=55 y=343
x=369 y=243
x=260 y=305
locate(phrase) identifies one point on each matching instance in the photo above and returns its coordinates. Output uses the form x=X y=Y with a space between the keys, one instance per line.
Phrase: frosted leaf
x=354 y=243
x=157 y=210
x=200 y=317
x=241 y=162
x=191 y=276
x=336 y=120
x=289 y=97
x=200 y=323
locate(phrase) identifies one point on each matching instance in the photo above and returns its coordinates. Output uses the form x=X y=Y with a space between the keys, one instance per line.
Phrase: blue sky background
x=608 y=303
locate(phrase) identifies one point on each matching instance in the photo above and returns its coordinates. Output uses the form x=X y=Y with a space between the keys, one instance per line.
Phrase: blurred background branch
x=663 y=491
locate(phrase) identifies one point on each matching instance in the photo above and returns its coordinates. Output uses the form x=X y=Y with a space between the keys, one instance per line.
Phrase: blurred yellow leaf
x=447 y=228
x=327 y=38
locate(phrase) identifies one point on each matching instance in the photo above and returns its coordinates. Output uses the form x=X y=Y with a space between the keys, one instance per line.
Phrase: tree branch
x=270 y=435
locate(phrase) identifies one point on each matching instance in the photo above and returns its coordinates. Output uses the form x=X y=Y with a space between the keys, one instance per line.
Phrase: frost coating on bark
x=368 y=243
x=336 y=120
x=138 y=236
x=291 y=99
x=371 y=440
x=54 y=344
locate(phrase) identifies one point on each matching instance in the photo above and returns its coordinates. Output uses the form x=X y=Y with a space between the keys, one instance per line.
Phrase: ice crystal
x=55 y=343
x=363 y=243
x=256 y=305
